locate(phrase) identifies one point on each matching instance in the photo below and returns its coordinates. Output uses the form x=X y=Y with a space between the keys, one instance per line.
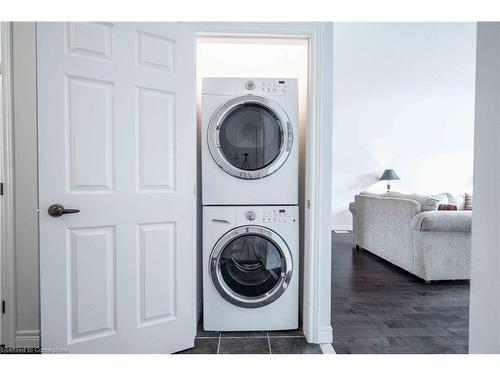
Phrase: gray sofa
x=408 y=231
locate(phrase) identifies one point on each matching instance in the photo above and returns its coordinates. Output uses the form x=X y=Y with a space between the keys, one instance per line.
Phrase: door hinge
x=308 y=204
x=1 y=188
x=3 y=307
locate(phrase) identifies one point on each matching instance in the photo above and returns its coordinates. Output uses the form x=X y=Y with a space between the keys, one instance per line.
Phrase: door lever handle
x=57 y=210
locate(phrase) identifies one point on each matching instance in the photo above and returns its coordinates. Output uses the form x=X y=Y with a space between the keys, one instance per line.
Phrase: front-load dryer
x=250 y=268
x=250 y=141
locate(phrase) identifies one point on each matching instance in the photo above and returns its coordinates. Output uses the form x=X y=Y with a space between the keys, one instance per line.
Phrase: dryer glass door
x=251 y=267
x=250 y=137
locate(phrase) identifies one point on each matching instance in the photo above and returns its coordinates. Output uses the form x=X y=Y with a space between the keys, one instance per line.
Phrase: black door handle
x=57 y=210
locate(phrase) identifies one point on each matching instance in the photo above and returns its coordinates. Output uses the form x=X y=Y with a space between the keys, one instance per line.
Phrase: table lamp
x=388 y=176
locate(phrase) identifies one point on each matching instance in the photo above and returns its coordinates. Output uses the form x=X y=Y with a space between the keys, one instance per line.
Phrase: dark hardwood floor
x=379 y=308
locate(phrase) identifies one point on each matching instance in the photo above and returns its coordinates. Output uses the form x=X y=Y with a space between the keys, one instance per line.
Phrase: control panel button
x=251 y=215
x=250 y=85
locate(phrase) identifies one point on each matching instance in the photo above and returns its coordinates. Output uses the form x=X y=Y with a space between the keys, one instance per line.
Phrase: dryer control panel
x=277 y=87
x=252 y=86
x=268 y=214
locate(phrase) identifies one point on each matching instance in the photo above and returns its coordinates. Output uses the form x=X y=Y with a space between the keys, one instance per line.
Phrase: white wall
x=403 y=99
x=484 y=334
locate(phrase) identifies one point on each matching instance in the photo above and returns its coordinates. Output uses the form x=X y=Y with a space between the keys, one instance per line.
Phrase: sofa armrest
x=382 y=225
x=443 y=221
x=386 y=206
x=352 y=208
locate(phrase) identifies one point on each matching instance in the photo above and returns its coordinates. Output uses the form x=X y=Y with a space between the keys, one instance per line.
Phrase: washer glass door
x=251 y=266
x=250 y=137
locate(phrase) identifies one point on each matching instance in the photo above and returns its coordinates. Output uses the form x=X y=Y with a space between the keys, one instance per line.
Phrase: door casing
x=316 y=300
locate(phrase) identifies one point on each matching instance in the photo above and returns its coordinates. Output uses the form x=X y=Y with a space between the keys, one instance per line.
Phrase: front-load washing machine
x=250 y=268
x=249 y=141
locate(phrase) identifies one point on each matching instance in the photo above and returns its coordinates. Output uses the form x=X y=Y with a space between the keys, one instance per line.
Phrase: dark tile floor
x=261 y=342
x=379 y=308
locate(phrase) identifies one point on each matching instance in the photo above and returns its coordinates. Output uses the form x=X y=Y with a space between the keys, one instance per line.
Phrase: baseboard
x=327 y=348
x=28 y=339
x=325 y=335
x=342 y=227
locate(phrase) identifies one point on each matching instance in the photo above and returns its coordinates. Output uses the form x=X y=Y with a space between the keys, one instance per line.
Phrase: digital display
x=282 y=211
x=281 y=82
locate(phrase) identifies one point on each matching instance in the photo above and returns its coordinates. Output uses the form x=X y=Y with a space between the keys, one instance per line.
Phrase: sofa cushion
x=443 y=221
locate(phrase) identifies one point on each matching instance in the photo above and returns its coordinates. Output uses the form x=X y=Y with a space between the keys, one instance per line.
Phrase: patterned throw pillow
x=468 y=202
x=447 y=207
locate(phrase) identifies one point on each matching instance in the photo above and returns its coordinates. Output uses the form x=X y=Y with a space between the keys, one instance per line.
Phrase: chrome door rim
x=213 y=136
x=250 y=302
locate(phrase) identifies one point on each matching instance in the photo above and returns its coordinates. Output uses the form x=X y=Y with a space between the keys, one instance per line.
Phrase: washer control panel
x=270 y=214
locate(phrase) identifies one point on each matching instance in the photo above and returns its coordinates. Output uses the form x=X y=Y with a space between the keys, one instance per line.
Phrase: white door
x=117 y=140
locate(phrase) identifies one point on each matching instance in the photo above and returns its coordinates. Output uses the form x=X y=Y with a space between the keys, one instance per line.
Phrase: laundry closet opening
x=254 y=58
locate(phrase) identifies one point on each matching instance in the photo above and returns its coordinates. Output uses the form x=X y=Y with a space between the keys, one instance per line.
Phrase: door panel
x=91 y=282
x=157 y=255
x=89 y=105
x=156 y=52
x=90 y=39
x=156 y=129
x=117 y=140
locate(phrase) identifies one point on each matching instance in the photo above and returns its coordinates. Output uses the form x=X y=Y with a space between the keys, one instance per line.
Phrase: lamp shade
x=389 y=174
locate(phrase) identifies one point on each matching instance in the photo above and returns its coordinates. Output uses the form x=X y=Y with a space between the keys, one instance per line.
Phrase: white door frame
x=316 y=303
x=7 y=273
x=484 y=311
x=317 y=257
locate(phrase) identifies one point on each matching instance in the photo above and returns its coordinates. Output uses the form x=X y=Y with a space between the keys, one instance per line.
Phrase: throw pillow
x=456 y=199
x=468 y=202
x=447 y=207
x=443 y=198
x=430 y=204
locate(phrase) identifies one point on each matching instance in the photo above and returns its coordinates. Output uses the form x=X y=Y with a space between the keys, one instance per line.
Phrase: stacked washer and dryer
x=250 y=204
